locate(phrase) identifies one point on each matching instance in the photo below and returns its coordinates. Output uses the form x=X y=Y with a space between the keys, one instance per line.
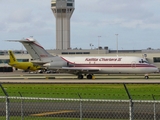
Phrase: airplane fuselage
x=105 y=65
x=24 y=65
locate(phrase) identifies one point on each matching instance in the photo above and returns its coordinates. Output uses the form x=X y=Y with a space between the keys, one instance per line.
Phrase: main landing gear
x=89 y=76
x=80 y=76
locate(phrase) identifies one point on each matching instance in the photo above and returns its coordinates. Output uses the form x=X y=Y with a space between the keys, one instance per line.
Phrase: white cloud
x=123 y=12
x=135 y=21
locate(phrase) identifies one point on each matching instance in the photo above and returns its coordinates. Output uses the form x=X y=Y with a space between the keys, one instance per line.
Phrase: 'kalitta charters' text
x=103 y=59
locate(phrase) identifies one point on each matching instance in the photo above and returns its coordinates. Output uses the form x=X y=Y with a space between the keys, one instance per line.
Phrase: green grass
x=86 y=91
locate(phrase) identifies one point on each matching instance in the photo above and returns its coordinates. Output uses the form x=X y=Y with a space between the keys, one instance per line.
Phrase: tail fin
x=12 y=57
x=35 y=49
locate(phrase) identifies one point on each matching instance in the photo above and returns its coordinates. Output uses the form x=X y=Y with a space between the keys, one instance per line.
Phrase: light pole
x=117 y=43
x=98 y=43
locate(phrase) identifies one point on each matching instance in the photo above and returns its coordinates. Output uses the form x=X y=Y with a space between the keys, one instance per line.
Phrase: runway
x=77 y=81
x=20 y=77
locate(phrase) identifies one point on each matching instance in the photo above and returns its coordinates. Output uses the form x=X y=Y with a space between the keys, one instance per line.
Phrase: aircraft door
x=133 y=64
x=70 y=65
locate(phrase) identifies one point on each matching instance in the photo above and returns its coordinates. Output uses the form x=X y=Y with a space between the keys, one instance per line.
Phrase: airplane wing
x=76 y=70
x=41 y=63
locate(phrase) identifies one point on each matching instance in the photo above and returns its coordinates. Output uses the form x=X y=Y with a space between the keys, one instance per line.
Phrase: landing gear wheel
x=146 y=77
x=89 y=76
x=80 y=76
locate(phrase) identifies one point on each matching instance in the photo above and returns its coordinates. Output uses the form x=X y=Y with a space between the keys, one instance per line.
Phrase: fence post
x=130 y=103
x=22 y=117
x=154 y=107
x=80 y=105
x=7 y=102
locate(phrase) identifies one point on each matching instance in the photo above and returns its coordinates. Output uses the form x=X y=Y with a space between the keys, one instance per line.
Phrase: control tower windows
x=58 y=10
x=70 y=0
x=53 y=4
x=70 y=4
x=63 y=10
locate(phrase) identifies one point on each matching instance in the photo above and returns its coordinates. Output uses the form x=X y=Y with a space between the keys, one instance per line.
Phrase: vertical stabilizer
x=12 y=57
x=35 y=49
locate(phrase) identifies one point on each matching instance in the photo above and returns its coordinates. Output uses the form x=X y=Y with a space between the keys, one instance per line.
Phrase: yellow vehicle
x=27 y=66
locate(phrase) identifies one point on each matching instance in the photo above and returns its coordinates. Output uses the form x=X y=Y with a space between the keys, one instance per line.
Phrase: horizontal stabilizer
x=34 y=49
x=22 y=41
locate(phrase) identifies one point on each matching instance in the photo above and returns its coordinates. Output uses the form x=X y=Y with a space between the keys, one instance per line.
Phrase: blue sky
x=137 y=23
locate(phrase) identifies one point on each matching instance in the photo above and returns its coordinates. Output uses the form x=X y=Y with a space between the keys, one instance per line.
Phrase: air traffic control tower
x=62 y=10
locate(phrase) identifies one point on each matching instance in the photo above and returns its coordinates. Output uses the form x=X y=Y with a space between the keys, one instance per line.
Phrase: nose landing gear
x=146 y=76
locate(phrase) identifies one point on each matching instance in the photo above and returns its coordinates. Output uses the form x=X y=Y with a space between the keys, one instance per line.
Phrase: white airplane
x=88 y=65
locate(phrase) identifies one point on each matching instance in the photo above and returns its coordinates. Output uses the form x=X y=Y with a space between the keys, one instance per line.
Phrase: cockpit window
x=145 y=61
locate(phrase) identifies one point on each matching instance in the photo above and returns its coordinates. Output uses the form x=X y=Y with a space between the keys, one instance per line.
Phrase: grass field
x=86 y=91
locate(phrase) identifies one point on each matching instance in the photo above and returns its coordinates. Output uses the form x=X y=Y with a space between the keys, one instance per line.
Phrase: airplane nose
x=157 y=69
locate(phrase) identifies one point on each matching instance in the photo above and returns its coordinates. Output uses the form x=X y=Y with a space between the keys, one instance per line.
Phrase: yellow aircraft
x=27 y=66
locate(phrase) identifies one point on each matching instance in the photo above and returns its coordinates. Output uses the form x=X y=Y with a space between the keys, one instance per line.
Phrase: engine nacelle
x=56 y=64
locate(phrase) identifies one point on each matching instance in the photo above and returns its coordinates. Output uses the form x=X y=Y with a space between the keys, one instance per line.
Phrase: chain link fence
x=32 y=108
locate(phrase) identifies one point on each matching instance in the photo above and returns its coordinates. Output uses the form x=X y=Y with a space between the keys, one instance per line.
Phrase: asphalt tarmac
x=25 y=77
